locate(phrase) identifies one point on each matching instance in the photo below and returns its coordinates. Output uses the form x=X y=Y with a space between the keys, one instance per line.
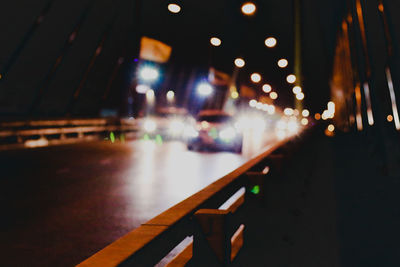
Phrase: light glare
x=174 y=8
x=291 y=78
x=273 y=95
x=267 y=88
x=205 y=89
x=305 y=113
x=148 y=73
x=270 y=42
x=239 y=62
x=255 y=77
x=248 y=8
x=282 y=63
x=215 y=41
x=300 y=96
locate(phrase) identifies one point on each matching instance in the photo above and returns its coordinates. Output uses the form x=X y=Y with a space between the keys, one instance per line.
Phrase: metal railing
x=61 y=130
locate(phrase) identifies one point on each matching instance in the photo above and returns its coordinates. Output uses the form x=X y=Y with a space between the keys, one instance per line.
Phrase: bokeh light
x=215 y=41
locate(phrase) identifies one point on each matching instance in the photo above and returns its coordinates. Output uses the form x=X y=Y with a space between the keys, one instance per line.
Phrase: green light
x=112 y=137
x=213 y=133
x=146 y=137
x=255 y=190
x=159 y=140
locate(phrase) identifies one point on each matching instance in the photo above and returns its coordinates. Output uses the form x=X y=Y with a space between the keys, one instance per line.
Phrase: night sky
x=29 y=87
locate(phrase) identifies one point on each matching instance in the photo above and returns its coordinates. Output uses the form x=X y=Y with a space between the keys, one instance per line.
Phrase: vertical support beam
x=297 y=50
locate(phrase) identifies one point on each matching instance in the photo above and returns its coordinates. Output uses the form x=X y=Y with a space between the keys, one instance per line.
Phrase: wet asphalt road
x=62 y=204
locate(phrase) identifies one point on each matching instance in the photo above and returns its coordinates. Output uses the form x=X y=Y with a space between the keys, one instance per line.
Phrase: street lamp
x=174 y=8
x=296 y=90
x=270 y=42
x=291 y=78
x=273 y=95
x=204 y=89
x=267 y=88
x=300 y=96
x=255 y=77
x=170 y=96
x=215 y=41
x=148 y=74
x=248 y=8
x=282 y=63
x=239 y=62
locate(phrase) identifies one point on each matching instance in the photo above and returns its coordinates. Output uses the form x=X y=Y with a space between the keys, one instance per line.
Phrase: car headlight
x=190 y=132
x=176 y=127
x=227 y=134
x=150 y=126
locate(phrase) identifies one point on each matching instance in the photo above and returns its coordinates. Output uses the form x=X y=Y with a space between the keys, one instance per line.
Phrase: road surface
x=62 y=204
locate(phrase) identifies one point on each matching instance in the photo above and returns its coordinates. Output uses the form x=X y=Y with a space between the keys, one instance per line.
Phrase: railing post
x=212 y=243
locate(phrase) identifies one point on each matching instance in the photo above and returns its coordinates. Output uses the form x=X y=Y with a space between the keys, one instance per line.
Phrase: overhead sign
x=217 y=77
x=154 y=50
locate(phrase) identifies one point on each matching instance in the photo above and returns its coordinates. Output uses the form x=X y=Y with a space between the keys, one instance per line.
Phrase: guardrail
x=43 y=132
x=213 y=242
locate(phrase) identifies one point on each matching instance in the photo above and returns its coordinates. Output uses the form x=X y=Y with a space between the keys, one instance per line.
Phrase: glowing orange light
x=174 y=8
x=270 y=42
x=282 y=63
x=239 y=62
x=389 y=118
x=300 y=96
x=255 y=77
x=215 y=41
x=291 y=78
x=296 y=90
x=317 y=116
x=267 y=88
x=248 y=8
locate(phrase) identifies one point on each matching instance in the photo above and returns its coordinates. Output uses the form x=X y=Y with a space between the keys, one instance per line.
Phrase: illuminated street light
x=317 y=116
x=142 y=88
x=291 y=78
x=148 y=73
x=255 y=77
x=174 y=8
x=271 y=109
x=304 y=121
x=253 y=103
x=267 y=88
x=234 y=95
x=331 y=127
x=389 y=118
x=248 y=8
x=273 y=95
x=300 y=96
x=296 y=90
x=170 y=96
x=270 y=42
x=150 y=96
x=282 y=63
x=239 y=62
x=215 y=41
x=288 y=111
x=204 y=89
x=305 y=113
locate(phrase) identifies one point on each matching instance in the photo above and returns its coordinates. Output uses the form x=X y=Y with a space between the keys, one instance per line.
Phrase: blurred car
x=214 y=129
x=169 y=123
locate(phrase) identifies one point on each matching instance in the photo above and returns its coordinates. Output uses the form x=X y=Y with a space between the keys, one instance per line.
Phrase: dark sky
x=187 y=32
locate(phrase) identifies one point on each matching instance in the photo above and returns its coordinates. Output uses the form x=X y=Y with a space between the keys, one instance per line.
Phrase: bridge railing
x=60 y=130
x=153 y=241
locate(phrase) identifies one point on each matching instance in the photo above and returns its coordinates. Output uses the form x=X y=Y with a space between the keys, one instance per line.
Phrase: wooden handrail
x=148 y=244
